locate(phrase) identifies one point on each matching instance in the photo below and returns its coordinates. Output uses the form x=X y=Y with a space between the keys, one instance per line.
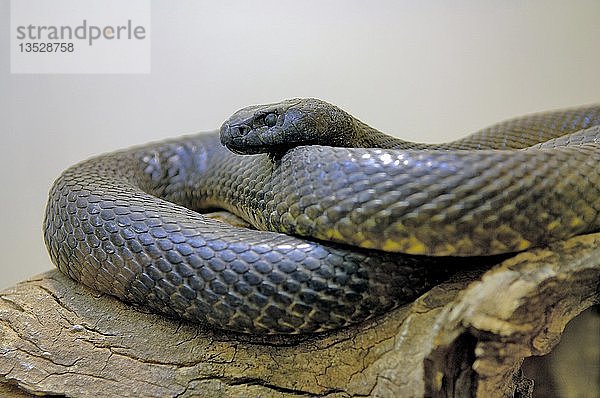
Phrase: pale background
x=428 y=71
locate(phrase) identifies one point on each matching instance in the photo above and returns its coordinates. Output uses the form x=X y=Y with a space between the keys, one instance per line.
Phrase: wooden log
x=466 y=337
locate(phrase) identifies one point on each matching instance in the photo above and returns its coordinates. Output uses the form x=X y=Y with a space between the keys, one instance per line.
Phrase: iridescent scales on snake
x=360 y=219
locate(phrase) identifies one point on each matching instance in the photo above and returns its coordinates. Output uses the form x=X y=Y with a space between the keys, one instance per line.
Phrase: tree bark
x=466 y=337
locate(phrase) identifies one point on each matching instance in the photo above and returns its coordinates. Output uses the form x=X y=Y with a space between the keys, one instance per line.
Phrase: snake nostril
x=237 y=131
x=243 y=129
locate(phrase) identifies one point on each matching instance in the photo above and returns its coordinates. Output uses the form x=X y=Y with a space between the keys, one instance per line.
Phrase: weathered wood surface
x=466 y=337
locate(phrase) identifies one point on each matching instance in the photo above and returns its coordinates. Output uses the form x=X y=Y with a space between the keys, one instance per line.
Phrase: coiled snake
x=126 y=224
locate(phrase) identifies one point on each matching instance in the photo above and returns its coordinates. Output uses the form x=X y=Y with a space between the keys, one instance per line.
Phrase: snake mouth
x=236 y=139
x=275 y=151
x=242 y=139
x=232 y=137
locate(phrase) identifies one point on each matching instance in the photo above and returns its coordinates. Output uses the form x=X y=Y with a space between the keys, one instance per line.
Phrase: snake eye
x=270 y=119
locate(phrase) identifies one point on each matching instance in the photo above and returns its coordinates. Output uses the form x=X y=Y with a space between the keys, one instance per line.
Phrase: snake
x=345 y=223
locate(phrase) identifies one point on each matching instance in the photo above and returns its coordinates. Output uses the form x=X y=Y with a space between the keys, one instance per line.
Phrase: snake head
x=275 y=128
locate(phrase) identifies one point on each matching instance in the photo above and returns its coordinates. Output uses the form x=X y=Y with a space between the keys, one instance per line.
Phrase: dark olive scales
x=124 y=223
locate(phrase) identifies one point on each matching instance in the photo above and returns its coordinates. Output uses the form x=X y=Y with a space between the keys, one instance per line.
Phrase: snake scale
x=350 y=222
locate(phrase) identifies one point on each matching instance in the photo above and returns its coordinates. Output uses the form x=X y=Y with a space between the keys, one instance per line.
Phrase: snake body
x=126 y=223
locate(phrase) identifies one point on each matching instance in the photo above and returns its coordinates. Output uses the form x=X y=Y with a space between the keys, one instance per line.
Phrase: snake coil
x=362 y=222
